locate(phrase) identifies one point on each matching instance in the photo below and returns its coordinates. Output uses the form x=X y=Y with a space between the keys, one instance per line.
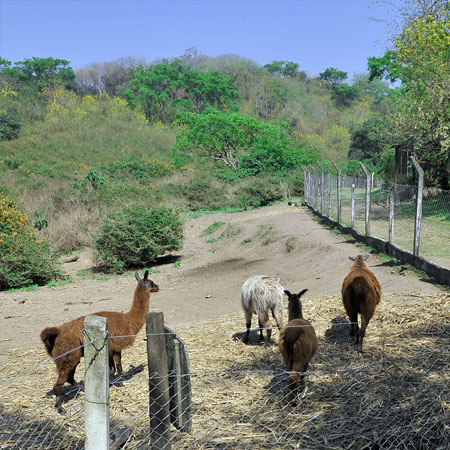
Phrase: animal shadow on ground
x=70 y=392
x=339 y=331
x=253 y=338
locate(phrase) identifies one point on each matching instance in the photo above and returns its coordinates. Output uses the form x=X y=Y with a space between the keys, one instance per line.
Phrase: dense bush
x=9 y=126
x=136 y=235
x=26 y=259
x=260 y=192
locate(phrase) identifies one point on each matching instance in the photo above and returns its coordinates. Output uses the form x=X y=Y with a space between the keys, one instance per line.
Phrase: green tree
x=162 y=89
x=333 y=76
x=368 y=140
x=344 y=95
x=283 y=68
x=420 y=113
x=42 y=71
x=239 y=141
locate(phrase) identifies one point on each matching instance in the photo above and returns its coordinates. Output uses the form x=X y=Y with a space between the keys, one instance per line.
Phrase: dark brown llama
x=361 y=293
x=297 y=343
x=61 y=341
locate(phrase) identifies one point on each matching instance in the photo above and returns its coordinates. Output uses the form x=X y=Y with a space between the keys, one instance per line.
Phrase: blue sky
x=314 y=33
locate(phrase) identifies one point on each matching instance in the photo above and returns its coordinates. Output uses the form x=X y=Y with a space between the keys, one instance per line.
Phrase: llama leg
x=248 y=323
x=117 y=357
x=264 y=323
x=71 y=377
x=278 y=316
x=112 y=367
x=354 y=325
x=362 y=333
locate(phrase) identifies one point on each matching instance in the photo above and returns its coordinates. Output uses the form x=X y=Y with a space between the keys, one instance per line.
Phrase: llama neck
x=141 y=303
x=295 y=309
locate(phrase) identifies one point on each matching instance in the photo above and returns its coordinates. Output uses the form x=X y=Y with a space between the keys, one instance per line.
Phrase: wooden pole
x=329 y=194
x=158 y=369
x=322 y=188
x=368 y=189
x=418 y=222
x=391 y=217
x=313 y=185
x=353 y=206
x=305 y=184
x=96 y=383
x=339 y=193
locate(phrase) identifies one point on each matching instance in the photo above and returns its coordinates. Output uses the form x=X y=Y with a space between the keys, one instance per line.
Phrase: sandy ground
x=203 y=282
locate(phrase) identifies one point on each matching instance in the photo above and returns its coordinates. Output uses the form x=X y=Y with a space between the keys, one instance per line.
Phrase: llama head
x=153 y=287
x=360 y=259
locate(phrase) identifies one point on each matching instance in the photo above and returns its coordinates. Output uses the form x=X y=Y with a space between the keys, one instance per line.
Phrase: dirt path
x=205 y=283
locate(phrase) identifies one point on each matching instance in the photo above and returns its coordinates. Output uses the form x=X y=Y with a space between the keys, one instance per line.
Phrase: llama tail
x=48 y=337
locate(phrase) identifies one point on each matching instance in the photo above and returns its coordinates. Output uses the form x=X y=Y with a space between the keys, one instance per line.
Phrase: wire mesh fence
x=395 y=395
x=435 y=219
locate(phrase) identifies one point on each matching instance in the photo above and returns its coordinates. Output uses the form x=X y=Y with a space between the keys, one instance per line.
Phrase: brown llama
x=61 y=341
x=361 y=293
x=297 y=343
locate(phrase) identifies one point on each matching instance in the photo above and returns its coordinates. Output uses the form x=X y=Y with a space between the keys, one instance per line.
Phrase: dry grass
x=395 y=395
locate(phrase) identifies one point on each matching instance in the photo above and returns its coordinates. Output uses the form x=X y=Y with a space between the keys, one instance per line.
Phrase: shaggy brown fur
x=361 y=293
x=61 y=341
x=297 y=343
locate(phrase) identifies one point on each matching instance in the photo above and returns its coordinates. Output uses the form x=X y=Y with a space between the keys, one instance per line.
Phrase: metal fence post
x=368 y=189
x=158 y=369
x=418 y=222
x=329 y=193
x=96 y=383
x=339 y=193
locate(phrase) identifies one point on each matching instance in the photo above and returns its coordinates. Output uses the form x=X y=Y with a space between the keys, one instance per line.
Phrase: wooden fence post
x=391 y=217
x=368 y=189
x=96 y=383
x=179 y=383
x=353 y=207
x=158 y=369
x=305 y=184
x=339 y=193
x=329 y=193
x=322 y=188
x=313 y=185
x=418 y=222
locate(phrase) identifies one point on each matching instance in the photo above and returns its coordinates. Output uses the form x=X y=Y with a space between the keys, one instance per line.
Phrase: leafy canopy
x=238 y=140
x=163 y=89
x=333 y=76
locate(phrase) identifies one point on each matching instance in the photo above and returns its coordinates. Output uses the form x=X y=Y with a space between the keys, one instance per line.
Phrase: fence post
x=391 y=217
x=96 y=383
x=353 y=206
x=322 y=188
x=418 y=221
x=329 y=194
x=158 y=369
x=368 y=188
x=313 y=185
x=339 y=194
x=305 y=184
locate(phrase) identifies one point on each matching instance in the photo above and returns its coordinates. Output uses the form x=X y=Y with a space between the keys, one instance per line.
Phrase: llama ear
x=366 y=256
x=287 y=293
x=351 y=258
x=136 y=275
x=302 y=292
x=278 y=279
x=146 y=275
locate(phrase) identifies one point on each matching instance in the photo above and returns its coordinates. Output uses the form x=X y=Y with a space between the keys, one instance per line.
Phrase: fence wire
x=396 y=395
x=435 y=223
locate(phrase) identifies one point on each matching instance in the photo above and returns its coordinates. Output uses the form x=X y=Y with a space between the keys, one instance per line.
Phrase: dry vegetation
x=394 y=395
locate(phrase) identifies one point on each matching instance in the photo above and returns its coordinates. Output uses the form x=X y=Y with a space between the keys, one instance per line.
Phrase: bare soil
x=203 y=282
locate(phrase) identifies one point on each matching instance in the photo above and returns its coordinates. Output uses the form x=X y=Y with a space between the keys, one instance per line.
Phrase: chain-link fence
x=350 y=195
x=395 y=395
